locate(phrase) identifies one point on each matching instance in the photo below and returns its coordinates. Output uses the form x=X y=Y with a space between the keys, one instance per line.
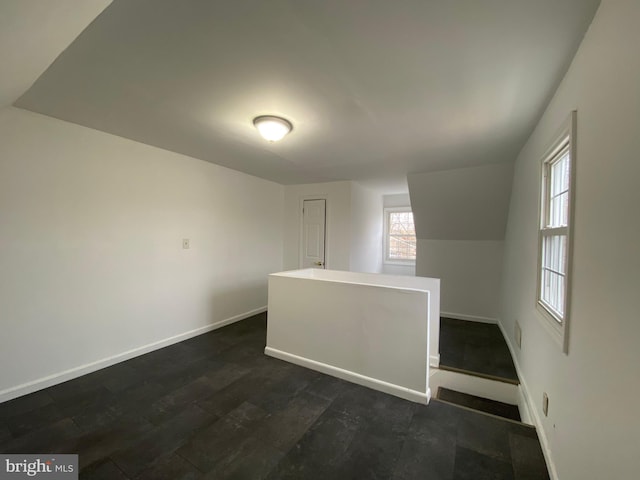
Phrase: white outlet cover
x=186 y=243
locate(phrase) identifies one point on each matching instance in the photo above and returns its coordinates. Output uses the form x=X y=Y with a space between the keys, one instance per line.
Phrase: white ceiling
x=375 y=89
x=32 y=35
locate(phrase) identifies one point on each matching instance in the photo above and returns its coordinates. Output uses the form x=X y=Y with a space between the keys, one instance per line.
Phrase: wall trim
x=60 y=377
x=472 y=385
x=471 y=318
x=528 y=404
x=380 y=385
x=434 y=361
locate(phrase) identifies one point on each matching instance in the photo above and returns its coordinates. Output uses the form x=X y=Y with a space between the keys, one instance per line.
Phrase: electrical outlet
x=545 y=404
x=518 y=335
x=186 y=243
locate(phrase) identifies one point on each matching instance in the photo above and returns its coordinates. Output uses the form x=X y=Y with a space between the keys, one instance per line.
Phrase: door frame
x=301 y=227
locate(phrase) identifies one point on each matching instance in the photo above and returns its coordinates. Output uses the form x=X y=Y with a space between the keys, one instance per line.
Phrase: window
x=400 y=236
x=554 y=239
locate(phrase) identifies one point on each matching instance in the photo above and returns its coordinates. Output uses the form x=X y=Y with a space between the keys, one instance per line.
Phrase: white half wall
x=592 y=427
x=91 y=231
x=374 y=330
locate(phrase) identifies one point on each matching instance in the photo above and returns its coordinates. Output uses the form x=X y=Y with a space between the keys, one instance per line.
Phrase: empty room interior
x=320 y=240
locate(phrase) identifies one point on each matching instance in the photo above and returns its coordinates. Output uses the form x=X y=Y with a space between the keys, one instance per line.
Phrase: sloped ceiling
x=33 y=33
x=462 y=204
x=375 y=89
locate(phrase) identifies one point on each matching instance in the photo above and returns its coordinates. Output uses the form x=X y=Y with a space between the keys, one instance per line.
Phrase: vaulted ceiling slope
x=33 y=33
x=375 y=89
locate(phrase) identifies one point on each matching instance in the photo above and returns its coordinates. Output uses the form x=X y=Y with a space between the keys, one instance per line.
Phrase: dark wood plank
x=216 y=407
x=500 y=409
x=476 y=348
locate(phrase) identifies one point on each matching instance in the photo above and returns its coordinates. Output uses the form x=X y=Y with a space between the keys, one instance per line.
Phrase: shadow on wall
x=223 y=299
x=460 y=217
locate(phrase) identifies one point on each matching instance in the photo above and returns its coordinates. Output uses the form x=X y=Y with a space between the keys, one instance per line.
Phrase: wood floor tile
x=215 y=406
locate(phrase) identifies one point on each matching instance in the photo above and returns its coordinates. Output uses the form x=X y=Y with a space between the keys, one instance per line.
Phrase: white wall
x=353 y=229
x=366 y=230
x=396 y=200
x=389 y=201
x=91 y=260
x=460 y=218
x=470 y=275
x=338 y=227
x=592 y=427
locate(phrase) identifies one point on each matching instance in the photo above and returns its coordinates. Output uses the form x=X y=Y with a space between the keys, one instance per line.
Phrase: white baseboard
x=527 y=404
x=471 y=318
x=472 y=385
x=380 y=385
x=56 y=378
x=434 y=361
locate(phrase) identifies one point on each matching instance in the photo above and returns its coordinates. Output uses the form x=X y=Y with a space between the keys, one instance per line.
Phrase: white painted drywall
x=460 y=218
x=374 y=89
x=338 y=231
x=405 y=281
x=389 y=201
x=354 y=225
x=91 y=230
x=592 y=430
x=396 y=200
x=393 y=269
x=32 y=35
x=370 y=329
x=470 y=272
x=366 y=230
x=461 y=204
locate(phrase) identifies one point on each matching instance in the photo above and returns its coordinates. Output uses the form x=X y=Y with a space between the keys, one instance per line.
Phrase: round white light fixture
x=272 y=128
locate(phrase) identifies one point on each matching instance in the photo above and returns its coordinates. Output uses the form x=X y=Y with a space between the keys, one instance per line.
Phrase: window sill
x=553 y=327
x=404 y=263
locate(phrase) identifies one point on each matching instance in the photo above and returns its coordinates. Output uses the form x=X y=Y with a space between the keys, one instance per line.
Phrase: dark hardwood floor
x=478 y=348
x=215 y=407
x=500 y=409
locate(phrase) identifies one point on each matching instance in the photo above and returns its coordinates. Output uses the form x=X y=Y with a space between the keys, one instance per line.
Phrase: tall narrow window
x=400 y=236
x=556 y=208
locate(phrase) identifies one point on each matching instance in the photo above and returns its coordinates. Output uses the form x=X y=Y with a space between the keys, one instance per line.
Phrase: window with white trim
x=399 y=236
x=554 y=234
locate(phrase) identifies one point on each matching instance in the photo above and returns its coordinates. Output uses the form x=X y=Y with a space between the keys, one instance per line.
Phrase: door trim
x=301 y=227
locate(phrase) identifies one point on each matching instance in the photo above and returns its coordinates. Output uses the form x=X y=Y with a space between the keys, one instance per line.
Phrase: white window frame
x=565 y=140
x=385 y=247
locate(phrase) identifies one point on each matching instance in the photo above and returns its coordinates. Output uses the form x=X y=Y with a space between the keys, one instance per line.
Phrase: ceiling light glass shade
x=272 y=128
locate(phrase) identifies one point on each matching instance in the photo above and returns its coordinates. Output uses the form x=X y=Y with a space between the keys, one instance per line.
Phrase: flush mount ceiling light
x=272 y=128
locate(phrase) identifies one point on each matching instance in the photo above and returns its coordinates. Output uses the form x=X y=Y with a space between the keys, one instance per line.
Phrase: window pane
x=554 y=266
x=558 y=195
x=402 y=236
x=555 y=218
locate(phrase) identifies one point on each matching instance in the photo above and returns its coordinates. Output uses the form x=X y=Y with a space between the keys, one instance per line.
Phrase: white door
x=313 y=227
